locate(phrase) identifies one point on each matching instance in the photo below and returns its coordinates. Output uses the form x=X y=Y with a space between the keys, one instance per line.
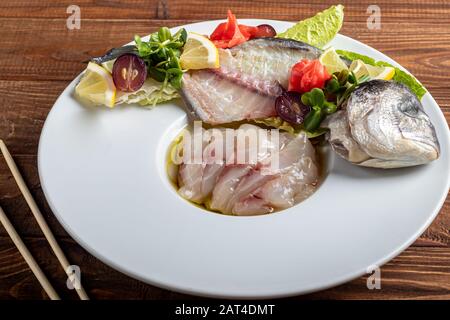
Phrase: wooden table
x=39 y=56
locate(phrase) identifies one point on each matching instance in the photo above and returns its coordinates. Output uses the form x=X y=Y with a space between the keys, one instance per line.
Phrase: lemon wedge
x=199 y=53
x=383 y=73
x=331 y=61
x=108 y=65
x=361 y=69
x=97 y=86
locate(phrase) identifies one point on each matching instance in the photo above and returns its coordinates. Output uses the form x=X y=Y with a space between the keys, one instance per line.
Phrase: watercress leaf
x=352 y=78
x=154 y=38
x=343 y=77
x=175 y=71
x=306 y=99
x=176 y=81
x=313 y=119
x=332 y=85
x=181 y=36
x=316 y=133
x=138 y=40
x=341 y=90
x=164 y=34
x=177 y=52
x=174 y=62
x=317 y=97
x=177 y=34
x=163 y=54
x=154 y=44
x=174 y=45
x=329 y=107
x=156 y=73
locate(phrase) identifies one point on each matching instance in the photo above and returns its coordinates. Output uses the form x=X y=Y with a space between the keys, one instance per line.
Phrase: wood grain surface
x=39 y=56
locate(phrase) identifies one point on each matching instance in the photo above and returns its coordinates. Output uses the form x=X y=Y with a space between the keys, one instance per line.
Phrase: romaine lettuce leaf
x=278 y=123
x=318 y=30
x=151 y=93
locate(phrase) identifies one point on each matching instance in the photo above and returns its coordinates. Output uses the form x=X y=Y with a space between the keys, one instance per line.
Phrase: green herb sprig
x=338 y=89
x=162 y=53
x=320 y=107
x=342 y=84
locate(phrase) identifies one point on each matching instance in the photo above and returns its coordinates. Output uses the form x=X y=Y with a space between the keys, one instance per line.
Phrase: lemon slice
x=383 y=73
x=97 y=86
x=360 y=69
x=331 y=61
x=108 y=65
x=199 y=53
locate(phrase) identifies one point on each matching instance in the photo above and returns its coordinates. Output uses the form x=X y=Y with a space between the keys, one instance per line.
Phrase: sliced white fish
x=257 y=187
x=216 y=100
x=246 y=85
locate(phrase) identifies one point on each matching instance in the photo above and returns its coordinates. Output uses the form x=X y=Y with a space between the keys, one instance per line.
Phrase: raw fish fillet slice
x=190 y=182
x=251 y=76
x=226 y=184
x=269 y=59
x=294 y=181
x=256 y=188
x=214 y=99
x=252 y=206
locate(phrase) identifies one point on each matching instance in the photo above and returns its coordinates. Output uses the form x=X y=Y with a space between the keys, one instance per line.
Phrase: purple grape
x=290 y=108
x=129 y=72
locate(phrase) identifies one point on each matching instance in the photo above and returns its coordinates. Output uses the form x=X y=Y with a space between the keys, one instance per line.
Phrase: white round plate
x=103 y=174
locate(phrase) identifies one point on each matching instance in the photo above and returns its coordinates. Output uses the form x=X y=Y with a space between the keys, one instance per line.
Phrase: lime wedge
x=332 y=61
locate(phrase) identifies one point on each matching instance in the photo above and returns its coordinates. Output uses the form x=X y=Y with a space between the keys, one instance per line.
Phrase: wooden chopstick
x=28 y=257
x=40 y=219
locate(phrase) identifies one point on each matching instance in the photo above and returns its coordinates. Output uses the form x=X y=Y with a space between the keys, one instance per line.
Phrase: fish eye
x=409 y=108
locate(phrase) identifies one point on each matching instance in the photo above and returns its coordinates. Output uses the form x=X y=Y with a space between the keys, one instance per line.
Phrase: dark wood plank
x=292 y=10
x=106 y=9
x=415 y=274
x=24 y=105
x=53 y=52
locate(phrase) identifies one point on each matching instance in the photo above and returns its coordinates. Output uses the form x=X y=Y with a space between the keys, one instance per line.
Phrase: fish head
x=384 y=125
x=417 y=131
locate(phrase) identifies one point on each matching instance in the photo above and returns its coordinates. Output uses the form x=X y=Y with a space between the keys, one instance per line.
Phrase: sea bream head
x=383 y=125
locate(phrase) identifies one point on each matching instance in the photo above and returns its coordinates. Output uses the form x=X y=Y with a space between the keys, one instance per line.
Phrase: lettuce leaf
x=318 y=30
x=278 y=123
x=400 y=76
x=151 y=93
